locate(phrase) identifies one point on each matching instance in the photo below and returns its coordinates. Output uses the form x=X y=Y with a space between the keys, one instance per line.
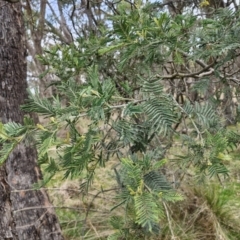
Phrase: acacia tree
x=25 y=213
x=156 y=74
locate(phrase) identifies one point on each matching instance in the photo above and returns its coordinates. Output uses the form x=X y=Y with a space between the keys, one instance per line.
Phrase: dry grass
x=85 y=215
x=203 y=215
x=207 y=213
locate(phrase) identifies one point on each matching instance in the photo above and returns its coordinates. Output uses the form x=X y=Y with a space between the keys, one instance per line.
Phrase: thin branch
x=72 y=16
x=192 y=121
x=169 y=221
x=198 y=74
x=47 y=207
x=63 y=24
x=56 y=31
x=40 y=27
x=90 y=204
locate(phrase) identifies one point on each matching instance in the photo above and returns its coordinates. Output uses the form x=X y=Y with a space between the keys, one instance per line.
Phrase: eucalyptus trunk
x=24 y=213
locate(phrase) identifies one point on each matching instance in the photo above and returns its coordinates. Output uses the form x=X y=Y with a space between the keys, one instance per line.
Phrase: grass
x=209 y=211
x=84 y=215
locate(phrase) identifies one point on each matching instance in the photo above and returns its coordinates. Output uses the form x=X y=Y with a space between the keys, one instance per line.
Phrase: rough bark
x=24 y=213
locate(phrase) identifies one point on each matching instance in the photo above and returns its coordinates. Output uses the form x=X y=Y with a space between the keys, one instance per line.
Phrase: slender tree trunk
x=24 y=213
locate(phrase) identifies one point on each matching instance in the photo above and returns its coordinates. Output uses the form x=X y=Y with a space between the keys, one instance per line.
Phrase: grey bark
x=24 y=213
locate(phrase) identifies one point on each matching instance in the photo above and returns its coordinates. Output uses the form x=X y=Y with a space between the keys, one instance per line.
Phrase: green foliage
x=10 y=135
x=152 y=82
x=210 y=155
x=147 y=210
x=203 y=114
x=142 y=191
x=71 y=222
x=42 y=106
x=6 y=150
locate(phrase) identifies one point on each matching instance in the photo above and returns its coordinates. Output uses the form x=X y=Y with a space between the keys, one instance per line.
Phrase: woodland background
x=138 y=116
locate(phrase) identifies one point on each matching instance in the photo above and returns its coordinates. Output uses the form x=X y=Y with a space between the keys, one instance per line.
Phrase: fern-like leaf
x=14 y=129
x=161 y=114
x=216 y=169
x=42 y=106
x=5 y=151
x=156 y=181
x=147 y=211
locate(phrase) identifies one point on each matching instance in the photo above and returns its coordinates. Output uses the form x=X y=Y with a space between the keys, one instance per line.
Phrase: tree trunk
x=24 y=213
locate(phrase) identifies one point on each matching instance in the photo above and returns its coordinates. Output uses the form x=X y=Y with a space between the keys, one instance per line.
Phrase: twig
x=94 y=229
x=46 y=207
x=195 y=126
x=198 y=74
x=169 y=222
x=90 y=204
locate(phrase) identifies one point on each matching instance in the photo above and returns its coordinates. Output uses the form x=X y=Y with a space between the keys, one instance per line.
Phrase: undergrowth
x=208 y=212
